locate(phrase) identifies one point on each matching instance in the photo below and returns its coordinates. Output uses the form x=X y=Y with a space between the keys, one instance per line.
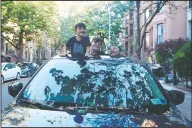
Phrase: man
x=116 y=52
x=79 y=44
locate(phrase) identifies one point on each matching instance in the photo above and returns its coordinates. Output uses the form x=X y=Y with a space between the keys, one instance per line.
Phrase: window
x=126 y=31
x=131 y=29
x=88 y=85
x=160 y=33
x=190 y=4
x=13 y=66
x=162 y=9
x=8 y=66
x=131 y=14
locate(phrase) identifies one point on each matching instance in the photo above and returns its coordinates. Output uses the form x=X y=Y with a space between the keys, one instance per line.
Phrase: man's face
x=80 y=31
x=96 y=46
x=114 y=51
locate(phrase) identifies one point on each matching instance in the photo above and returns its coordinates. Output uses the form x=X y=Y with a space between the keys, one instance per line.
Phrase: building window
x=160 y=33
x=147 y=14
x=126 y=31
x=131 y=29
x=131 y=48
x=162 y=9
x=131 y=14
x=190 y=4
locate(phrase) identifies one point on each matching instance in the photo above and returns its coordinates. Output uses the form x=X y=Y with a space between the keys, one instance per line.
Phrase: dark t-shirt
x=78 y=48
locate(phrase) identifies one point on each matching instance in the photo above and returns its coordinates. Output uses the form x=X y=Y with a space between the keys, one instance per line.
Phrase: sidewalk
x=181 y=86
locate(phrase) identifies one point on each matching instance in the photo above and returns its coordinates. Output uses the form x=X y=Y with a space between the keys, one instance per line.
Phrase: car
x=105 y=92
x=9 y=71
x=28 y=69
x=158 y=71
x=169 y=78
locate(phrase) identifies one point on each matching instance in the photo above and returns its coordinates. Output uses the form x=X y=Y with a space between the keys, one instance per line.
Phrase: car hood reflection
x=29 y=117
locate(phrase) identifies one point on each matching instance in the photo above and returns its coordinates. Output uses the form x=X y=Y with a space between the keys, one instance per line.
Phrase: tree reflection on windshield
x=114 y=86
x=94 y=83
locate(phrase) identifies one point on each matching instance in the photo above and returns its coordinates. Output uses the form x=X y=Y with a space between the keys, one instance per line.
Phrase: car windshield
x=102 y=82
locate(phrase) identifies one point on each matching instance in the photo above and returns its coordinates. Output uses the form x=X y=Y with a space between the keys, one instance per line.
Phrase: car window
x=2 y=65
x=8 y=66
x=158 y=72
x=13 y=66
x=94 y=82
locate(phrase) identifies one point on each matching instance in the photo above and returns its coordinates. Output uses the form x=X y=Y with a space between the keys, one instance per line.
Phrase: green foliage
x=96 y=18
x=163 y=56
x=27 y=19
x=182 y=61
x=166 y=51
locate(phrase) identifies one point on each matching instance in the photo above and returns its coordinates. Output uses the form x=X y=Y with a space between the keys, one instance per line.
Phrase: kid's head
x=115 y=51
x=96 y=43
x=80 y=29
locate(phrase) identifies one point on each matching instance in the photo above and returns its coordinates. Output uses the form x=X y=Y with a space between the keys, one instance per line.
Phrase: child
x=95 y=49
x=78 y=44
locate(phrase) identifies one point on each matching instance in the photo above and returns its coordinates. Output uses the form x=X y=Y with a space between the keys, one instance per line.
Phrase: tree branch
x=6 y=38
x=159 y=6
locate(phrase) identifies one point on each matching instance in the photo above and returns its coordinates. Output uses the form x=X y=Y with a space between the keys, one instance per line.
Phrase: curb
x=182 y=88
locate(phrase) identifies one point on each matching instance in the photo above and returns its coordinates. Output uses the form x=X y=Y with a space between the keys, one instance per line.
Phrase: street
x=185 y=107
x=6 y=98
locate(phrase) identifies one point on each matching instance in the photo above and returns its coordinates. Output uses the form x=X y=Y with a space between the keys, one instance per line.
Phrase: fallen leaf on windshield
x=148 y=123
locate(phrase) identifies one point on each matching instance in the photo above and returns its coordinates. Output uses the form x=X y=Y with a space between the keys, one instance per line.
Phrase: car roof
x=106 y=57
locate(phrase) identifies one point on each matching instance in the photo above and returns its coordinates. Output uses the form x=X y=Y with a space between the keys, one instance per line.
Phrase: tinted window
x=8 y=66
x=13 y=66
x=111 y=83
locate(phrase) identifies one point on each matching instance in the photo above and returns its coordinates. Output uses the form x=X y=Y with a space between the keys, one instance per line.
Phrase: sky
x=63 y=6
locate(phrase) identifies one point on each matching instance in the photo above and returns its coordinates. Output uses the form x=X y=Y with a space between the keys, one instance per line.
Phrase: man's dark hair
x=80 y=25
x=97 y=39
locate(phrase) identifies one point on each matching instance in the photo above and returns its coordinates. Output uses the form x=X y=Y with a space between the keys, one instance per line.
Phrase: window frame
x=190 y=4
x=162 y=32
x=131 y=29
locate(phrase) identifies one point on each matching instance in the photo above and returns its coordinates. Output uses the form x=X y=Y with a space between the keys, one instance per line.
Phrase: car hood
x=29 y=117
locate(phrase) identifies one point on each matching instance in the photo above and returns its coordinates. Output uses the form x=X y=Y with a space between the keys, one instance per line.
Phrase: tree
x=29 y=18
x=182 y=62
x=96 y=16
x=153 y=7
x=166 y=51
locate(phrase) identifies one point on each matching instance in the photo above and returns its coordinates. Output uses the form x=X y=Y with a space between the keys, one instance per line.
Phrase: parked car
x=106 y=92
x=9 y=71
x=169 y=78
x=28 y=69
x=158 y=71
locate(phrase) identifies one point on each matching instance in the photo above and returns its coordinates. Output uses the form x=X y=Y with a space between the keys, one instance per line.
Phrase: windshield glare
x=106 y=82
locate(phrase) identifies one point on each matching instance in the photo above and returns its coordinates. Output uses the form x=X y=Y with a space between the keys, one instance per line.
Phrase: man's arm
x=65 y=47
x=88 y=48
x=64 y=50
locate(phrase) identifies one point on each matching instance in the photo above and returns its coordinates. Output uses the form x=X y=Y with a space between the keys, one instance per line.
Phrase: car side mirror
x=177 y=96
x=15 y=88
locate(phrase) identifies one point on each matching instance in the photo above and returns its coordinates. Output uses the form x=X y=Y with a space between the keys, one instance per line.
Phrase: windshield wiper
x=40 y=105
x=123 y=110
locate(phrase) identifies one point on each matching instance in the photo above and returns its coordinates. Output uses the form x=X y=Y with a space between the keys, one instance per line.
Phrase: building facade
x=189 y=20
x=163 y=26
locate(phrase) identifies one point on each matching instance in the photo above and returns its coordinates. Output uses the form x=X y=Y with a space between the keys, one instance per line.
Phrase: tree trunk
x=174 y=78
x=186 y=81
x=138 y=52
x=20 y=57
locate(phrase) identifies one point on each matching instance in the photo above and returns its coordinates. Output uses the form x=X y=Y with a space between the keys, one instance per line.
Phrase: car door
x=14 y=70
x=7 y=71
